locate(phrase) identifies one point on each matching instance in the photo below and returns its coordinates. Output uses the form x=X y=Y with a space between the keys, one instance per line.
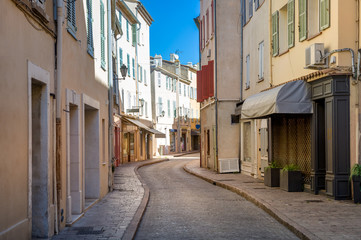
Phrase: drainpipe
x=216 y=85
x=357 y=105
x=59 y=59
x=241 y=79
x=110 y=94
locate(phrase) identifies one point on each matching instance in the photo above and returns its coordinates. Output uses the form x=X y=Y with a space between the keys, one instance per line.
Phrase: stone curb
x=132 y=228
x=294 y=227
x=185 y=153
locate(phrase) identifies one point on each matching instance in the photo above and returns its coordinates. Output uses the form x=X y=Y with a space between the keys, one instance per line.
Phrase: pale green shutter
x=134 y=34
x=302 y=18
x=291 y=22
x=275 y=48
x=324 y=14
x=90 y=27
x=128 y=64
x=120 y=57
x=133 y=67
x=102 y=35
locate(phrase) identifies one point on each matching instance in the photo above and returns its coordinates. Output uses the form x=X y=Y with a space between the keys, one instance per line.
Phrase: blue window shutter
x=127 y=30
x=71 y=12
x=250 y=8
x=120 y=57
x=90 y=27
x=128 y=64
x=133 y=65
x=102 y=34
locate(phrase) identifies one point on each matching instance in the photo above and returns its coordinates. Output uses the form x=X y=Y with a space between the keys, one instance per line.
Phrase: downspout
x=241 y=87
x=357 y=104
x=59 y=59
x=110 y=94
x=215 y=83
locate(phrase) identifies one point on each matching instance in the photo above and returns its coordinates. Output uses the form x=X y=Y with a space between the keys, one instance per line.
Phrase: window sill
x=283 y=53
x=90 y=53
x=260 y=80
x=72 y=33
x=313 y=36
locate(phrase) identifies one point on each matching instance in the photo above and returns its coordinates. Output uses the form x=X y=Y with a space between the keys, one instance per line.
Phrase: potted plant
x=272 y=175
x=291 y=178
x=355 y=176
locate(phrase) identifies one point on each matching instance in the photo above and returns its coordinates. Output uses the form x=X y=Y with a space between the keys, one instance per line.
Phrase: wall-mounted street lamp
x=162 y=114
x=141 y=102
x=123 y=72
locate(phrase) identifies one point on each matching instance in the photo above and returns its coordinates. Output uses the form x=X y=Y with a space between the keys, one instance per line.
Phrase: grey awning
x=290 y=98
x=157 y=133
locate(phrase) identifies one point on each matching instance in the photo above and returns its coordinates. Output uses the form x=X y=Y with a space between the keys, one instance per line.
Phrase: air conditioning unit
x=227 y=165
x=314 y=55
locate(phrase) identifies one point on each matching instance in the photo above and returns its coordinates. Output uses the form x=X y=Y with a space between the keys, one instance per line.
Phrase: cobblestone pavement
x=109 y=218
x=308 y=215
x=182 y=206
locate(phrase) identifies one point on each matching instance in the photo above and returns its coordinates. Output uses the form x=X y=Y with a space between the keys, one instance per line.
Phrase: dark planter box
x=291 y=181
x=356 y=181
x=272 y=177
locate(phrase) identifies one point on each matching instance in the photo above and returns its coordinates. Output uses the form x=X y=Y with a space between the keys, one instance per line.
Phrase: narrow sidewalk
x=308 y=216
x=118 y=214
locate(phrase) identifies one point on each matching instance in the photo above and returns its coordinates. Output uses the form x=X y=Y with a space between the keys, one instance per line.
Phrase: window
x=141 y=74
x=89 y=7
x=302 y=19
x=275 y=49
x=247 y=157
x=207 y=25
x=133 y=67
x=191 y=93
x=127 y=30
x=174 y=109
x=247 y=72
x=146 y=109
x=324 y=14
x=188 y=90
x=160 y=106
x=128 y=64
x=134 y=34
x=261 y=61
x=145 y=77
x=102 y=34
x=291 y=23
x=120 y=57
x=180 y=88
x=212 y=17
x=313 y=18
x=283 y=29
x=185 y=90
x=159 y=80
x=175 y=85
x=257 y=4
x=120 y=18
x=203 y=33
x=129 y=100
x=71 y=17
x=250 y=8
x=168 y=103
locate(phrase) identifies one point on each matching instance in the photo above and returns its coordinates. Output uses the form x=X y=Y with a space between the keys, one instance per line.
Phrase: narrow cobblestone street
x=182 y=206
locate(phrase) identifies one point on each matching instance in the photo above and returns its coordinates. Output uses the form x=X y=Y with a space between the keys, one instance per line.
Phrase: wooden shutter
x=302 y=18
x=291 y=22
x=90 y=27
x=102 y=34
x=324 y=14
x=275 y=44
x=211 y=81
x=199 y=86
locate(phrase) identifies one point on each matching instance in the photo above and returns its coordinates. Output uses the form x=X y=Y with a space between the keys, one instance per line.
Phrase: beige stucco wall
x=19 y=44
x=227 y=65
x=254 y=32
x=84 y=75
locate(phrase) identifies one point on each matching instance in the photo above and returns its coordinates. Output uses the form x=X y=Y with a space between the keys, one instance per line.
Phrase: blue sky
x=173 y=28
